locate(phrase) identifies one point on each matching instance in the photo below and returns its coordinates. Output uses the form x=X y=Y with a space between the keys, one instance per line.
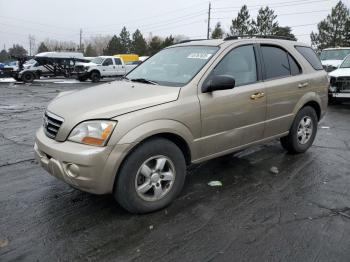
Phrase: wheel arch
x=310 y=99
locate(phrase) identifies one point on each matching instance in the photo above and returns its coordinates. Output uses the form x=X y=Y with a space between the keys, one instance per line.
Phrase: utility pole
x=31 y=45
x=208 y=32
x=80 y=38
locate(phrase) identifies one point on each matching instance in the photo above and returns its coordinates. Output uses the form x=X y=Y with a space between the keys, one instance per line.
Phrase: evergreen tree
x=241 y=25
x=265 y=23
x=138 y=44
x=334 y=30
x=154 y=45
x=217 y=33
x=90 y=51
x=17 y=51
x=42 y=48
x=168 y=41
x=4 y=56
x=284 y=31
x=125 y=41
x=114 y=47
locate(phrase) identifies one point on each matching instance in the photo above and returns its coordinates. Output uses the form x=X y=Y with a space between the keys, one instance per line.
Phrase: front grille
x=52 y=124
x=343 y=84
x=79 y=68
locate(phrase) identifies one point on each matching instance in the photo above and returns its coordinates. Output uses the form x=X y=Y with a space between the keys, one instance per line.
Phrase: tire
x=130 y=176
x=95 y=76
x=295 y=143
x=28 y=77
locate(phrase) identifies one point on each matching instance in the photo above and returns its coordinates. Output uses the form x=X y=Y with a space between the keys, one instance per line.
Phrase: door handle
x=302 y=85
x=257 y=95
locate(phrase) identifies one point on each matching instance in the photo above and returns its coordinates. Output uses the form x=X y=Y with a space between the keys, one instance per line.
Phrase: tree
x=4 y=56
x=241 y=25
x=265 y=23
x=154 y=45
x=17 y=51
x=125 y=41
x=217 y=33
x=90 y=51
x=168 y=41
x=284 y=31
x=42 y=48
x=138 y=43
x=114 y=47
x=334 y=30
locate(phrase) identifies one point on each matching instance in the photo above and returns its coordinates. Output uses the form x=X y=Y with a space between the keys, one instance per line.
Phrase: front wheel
x=303 y=131
x=28 y=77
x=95 y=76
x=151 y=177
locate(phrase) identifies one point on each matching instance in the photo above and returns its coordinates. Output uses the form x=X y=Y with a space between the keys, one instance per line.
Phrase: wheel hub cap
x=155 y=178
x=305 y=130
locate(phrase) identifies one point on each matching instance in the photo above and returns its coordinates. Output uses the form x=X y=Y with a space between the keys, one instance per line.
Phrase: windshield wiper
x=144 y=80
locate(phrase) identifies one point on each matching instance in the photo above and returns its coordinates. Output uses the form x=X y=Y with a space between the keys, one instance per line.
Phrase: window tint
x=295 y=68
x=117 y=61
x=276 y=62
x=240 y=64
x=310 y=56
x=108 y=62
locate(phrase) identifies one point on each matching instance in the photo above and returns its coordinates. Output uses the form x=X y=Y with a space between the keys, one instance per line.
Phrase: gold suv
x=190 y=102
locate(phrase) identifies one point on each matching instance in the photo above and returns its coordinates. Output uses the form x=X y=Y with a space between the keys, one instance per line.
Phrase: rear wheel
x=95 y=76
x=151 y=177
x=303 y=131
x=28 y=77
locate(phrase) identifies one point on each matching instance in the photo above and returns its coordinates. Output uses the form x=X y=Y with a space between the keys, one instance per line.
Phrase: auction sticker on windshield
x=204 y=56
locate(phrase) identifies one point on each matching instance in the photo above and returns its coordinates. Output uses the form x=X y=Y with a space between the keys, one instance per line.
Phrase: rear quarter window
x=310 y=56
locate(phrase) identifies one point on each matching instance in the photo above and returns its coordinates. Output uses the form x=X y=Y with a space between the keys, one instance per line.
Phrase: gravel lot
x=300 y=214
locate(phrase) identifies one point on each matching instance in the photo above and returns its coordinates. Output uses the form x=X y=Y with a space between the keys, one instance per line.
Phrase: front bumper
x=88 y=168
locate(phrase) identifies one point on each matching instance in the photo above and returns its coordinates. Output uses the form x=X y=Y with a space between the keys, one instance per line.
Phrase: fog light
x=332 y=89
x=72 y=170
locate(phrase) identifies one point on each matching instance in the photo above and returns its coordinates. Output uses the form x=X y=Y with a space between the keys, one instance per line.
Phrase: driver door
x=108 y=67
x=234 y=117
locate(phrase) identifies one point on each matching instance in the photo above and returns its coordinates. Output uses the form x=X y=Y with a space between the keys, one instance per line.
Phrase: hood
x=86 y=64
x=334 y=63
x=109 y=100
x=340 y=72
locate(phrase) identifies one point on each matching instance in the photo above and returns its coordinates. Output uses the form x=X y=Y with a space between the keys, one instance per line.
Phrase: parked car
x=188 y=103
x=339 y=89
x=101 y=67
x=331 y=58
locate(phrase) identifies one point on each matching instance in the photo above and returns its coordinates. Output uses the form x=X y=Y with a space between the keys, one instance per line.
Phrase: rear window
x=310 y=56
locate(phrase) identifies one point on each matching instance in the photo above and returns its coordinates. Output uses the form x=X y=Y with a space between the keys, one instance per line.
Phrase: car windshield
x=174 y=66
x=97 y=60
x=336 y=54
x=346 y=62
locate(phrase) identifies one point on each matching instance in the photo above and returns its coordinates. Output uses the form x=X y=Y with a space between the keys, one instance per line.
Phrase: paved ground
x=300 y=214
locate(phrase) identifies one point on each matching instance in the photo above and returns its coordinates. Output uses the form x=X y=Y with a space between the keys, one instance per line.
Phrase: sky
x=63 y=19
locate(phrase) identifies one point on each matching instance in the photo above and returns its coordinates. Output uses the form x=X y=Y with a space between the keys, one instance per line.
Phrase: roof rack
x=190 y=40
x=235 y=37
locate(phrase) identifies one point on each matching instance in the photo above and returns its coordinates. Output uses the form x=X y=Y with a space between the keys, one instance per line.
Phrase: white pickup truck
x=101 y=67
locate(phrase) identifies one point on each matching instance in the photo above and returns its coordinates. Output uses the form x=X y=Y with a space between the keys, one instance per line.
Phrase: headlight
x=94 y=133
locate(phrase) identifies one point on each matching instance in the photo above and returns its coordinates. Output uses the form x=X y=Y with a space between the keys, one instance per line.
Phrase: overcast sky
x=62 y=19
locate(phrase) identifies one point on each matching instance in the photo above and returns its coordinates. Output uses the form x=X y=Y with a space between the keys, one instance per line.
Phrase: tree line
x=333 y=31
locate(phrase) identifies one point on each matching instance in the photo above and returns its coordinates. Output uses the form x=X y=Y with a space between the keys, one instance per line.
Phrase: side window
x=117 y=61
x=295 y=68
x=108 y=62
x=276 y=62
x=240 y=64
x=310 y=56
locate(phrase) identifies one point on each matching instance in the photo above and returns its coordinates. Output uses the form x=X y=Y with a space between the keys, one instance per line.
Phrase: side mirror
x=219 y=82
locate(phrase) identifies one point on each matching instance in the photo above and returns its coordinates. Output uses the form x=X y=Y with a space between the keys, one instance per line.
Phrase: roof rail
x=235 y=37
x=190 y=40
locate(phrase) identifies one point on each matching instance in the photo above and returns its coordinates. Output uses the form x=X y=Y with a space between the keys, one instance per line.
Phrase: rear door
x=285 y=85
x=234 y=117
x=120 y=69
